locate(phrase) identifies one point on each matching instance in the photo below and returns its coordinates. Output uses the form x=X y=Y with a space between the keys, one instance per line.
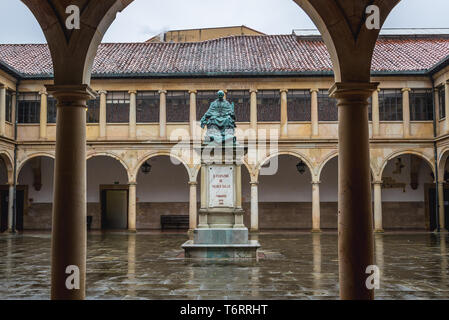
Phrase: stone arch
x=113 y=156
x=331 y=157
x=148 y=156
x=281 y=153
x=31 y=156
x=404 y=152
x=9 y=166
x=444 y=155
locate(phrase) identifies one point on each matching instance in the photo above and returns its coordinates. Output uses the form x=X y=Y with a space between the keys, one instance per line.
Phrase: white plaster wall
x=287 y=185
x=103 y=170
x=166 y=182
x=410 y=195
x=45 y=195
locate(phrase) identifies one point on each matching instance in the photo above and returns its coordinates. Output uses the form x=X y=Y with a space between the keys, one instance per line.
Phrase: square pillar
x=446 y=106
x=441 y=211
x=132 y=206
x=254 y=206
x=43 y=115
x=284 y=113
x=163 y=114
x=102 y=114
x=314 y=112
x=253 y=114
x=375 y=113
x=378 y=227
x=132 y=114
x=316 y=215
x=192 y=205
x=2 y=110
x=406 y=111
x=192 y=117
x=10 y=206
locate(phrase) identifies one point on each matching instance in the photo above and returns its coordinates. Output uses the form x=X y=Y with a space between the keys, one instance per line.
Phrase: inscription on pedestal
x=221 y=186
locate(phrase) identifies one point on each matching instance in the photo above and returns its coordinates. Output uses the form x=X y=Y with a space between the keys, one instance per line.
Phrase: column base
x=379 y=231
x=316 y=231
x=132 y=230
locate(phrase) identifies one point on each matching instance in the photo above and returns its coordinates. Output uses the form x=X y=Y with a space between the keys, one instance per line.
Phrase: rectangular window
x=421 y=105
x=8 y=106
x=442 y=101
x=93 y=110
x=327 y=107
x=242 y=104
x=390 y=105
x=178 y=106
x=29 y=108
x=117 y=107
x=51 y=109
x=147 y=106
x=203 y=101
x=299 y=105
x=269 y=106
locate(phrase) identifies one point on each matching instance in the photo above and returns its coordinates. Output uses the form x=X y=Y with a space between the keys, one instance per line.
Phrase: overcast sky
x=145 y=18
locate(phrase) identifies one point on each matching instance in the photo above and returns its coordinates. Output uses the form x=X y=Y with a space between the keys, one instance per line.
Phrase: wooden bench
x=174 y=222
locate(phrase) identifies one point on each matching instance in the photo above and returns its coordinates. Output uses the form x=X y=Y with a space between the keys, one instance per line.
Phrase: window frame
x=172 y=110
x=414 y=95
x=327 y=107
x=305 y=104
x=148 y=113
x=29 y=104
x=114 y=101
x=242 y=107
x=270 y=114
x=386 y=107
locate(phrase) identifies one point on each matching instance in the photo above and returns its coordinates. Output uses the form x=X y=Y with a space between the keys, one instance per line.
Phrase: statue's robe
x=220 y=114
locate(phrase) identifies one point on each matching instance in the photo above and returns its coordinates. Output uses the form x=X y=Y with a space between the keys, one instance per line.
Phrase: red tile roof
x=235 y=55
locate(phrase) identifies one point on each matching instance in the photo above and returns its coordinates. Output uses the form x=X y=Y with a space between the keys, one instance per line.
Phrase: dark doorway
x=114 y=207
x=4 y=199
x=432 y=208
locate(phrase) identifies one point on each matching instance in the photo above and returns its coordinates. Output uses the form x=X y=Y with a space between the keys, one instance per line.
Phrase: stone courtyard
x=291 y=265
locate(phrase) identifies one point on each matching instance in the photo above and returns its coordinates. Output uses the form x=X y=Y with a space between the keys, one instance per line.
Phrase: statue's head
x=221 y=94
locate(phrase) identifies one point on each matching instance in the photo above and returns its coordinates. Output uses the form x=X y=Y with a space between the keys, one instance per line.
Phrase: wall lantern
x=146 y=168
x=301 y=166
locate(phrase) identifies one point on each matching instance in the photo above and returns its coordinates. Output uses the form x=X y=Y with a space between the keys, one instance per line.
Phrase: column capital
x=133 y=183
x=283 y=91
x=353 y=90
x=253 y=91
x=102 y=92
x=71 y=95
x=254 y=183
x=162 y=91
x=314 y=90
x=193 y=183
x=315 y=182
x=3 y=86
x=193 y=91
x=132 y=91
x=378 y=182
x=406 y=90
x=43 y=92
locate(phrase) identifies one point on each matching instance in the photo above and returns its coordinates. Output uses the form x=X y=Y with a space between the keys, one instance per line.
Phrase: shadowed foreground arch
x=350 y=45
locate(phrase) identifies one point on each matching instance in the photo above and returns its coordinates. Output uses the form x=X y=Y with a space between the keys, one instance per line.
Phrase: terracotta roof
x=235 y=55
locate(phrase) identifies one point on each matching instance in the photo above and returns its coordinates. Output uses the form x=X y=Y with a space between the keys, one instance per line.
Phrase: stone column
x=43 y=115
x=2 y=110
x=314 y=112
x=436 y=100
x=375 y=113
x=254 y=206
x=69 y=234
x=192 y=205
x=378 y=227
x=253 y=114
x=446 y=107
x=163 y=114
x=406 y=111
x=355 y=221
x=192 y=118
x=10 y=206
x=102 y=114
x=13 y=109
x=441 y=207
x=316 y=215
x=132 y=114
x=132 y=207
x=284 y=114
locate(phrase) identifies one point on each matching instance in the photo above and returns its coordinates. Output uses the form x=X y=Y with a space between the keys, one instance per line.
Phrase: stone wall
x=272 y=215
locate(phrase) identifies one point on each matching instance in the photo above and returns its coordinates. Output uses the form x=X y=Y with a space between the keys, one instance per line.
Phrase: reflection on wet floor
x=295 y=266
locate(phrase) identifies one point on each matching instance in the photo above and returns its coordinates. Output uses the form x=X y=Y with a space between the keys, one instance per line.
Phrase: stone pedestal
x=221 y=233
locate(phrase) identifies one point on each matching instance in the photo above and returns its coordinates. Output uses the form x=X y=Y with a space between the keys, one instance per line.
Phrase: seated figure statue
x=220 y=121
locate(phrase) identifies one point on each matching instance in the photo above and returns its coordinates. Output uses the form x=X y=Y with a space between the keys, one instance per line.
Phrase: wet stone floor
x=292 y=266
